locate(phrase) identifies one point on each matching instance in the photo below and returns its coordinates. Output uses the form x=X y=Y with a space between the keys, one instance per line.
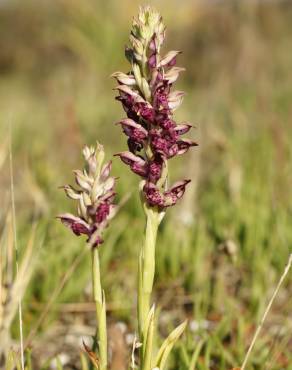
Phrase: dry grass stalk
x=13 y=285
x=3 y=153
x=12 y=291
x=15 y=246
x=260 y=326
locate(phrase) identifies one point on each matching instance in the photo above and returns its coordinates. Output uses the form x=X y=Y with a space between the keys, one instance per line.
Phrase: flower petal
x=145 y=110
x=169 y=58
x=108 y=197
x=109 y=184
x=184 y=145
x=152 y=195
x=71 y=192
x=182 y=128
x=82 y=180
x=124 y=79
x=152 y=61
x=130 y=158
x=102 y=212
x=133 y=130
x=155 y=169
x=175 y=99
x=172 y=75
x=105 y=171
x=127 y=90
x=76 y=224
x=175 y=193
x=137 y=164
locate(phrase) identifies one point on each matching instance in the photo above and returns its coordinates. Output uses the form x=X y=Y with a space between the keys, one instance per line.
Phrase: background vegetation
x=222 y=250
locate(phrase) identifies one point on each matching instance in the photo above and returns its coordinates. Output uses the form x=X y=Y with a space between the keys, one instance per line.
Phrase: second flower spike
x=94 y=196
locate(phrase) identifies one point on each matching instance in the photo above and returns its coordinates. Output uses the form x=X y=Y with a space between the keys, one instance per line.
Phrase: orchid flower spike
x=145 y=93
x=94 y=196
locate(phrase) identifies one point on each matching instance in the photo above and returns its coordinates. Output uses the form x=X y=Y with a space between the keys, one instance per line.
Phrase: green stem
x=146 y=272
x=99 y=299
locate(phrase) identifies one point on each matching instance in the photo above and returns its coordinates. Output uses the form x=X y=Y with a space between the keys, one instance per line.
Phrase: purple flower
x=184 y=145
x=102 y=212
x=155 y=169
x=76 y=224
x=149 y=102
x=134 y=130
x=152 y=61
x=145 y=110
x=136 y=163
x=165 y=122
x=182 y=128
x=165 y=199
x=169 y=60
x=175 y=193
x=152 y=195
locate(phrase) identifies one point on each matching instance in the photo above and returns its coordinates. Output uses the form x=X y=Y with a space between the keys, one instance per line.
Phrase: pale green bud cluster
x=145 y=26
x=147 y=35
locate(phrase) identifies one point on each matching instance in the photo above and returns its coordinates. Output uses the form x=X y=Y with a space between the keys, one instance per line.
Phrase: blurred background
x=220 y=252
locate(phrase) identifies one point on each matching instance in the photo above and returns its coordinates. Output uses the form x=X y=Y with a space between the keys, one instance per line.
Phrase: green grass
x=58 y=95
